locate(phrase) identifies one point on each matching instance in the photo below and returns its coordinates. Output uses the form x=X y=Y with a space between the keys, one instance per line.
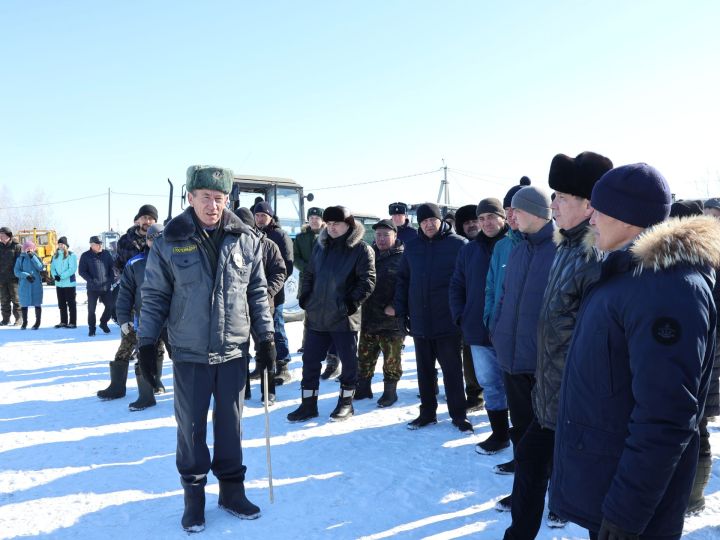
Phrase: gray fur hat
x=209 y=177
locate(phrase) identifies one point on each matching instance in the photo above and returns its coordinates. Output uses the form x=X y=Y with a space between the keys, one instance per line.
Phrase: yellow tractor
x=45 y=241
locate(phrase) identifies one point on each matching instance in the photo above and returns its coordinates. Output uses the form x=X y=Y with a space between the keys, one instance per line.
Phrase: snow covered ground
x=72 y=466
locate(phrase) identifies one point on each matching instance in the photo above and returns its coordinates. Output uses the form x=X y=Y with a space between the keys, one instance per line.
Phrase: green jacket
x=303 y=245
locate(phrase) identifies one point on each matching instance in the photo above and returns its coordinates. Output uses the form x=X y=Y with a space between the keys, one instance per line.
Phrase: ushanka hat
x=337 y=214
x=636 y=194
x=577 y=176
x=397 y=208
x=314 y=211
x=209 y=177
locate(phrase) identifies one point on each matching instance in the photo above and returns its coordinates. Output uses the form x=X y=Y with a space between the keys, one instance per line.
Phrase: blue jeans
x=489 y=375
x=281 y=341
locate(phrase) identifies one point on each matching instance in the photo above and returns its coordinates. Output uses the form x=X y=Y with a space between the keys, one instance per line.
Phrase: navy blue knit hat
x=636 y=194
x=428 y=210
x=264 y=207
x=507 y=201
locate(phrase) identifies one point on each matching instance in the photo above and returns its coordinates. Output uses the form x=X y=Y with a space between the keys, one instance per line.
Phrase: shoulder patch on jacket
x=666 y=330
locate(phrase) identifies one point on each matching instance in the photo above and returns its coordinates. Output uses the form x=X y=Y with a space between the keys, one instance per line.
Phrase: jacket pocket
x=188 y=270
x=600 y=365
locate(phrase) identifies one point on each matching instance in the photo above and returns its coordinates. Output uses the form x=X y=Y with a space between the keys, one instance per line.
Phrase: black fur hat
x=338 y=213
x=578 y=175
x=686 y=209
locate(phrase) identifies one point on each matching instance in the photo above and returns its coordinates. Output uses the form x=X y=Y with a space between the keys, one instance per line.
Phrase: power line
x=456 y=171
x=376 y=181
x=138 y=194
x=56 y=202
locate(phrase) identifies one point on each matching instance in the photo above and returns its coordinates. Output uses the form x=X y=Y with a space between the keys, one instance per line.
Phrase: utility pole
x=444 y=186
x=108 y=209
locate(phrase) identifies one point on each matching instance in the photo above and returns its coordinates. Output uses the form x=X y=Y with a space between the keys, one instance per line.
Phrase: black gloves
x=31 y=279
x=57 y=278
x=266 y=356
x=302 y=300
x=610 y=531
x=351 y=306
x=147 y=358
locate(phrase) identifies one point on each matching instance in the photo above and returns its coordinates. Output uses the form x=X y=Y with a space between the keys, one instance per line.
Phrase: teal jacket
x=496 y=276
x=65 y=267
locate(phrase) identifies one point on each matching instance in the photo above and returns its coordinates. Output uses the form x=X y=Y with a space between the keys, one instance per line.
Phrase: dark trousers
x=195 y=384
x=9 y=301
x=519 y=389
x=317 y=345
x=473 y=390
x=281 y=340
x=446 y=350
x=594 y=536
x=107 y=299
x=67 y=304
x=533 y=466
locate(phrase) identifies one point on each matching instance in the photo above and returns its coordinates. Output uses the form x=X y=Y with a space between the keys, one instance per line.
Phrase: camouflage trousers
x=369 y=350
x=8 y=296
x=128 y=345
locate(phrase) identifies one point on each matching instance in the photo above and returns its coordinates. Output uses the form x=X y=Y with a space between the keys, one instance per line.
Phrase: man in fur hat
x=204 y=278
x=638 y=367
x=338 y=279
x=575 y=268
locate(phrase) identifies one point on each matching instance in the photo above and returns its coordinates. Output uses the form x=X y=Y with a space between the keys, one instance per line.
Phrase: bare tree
x=28 y=213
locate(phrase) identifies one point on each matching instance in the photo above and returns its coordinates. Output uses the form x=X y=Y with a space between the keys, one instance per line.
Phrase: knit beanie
x=338 y=213
x=6 y=231
x=209 y=177
x=490 y=206
x=636 y=194
x=63 y=240
x=577 y=176
x=524 y=181
x=686 y=209
x=147 y=210
x=28 y=244
x=245 y=216
x=533 y=201
x=428 y=210
x=264 y=207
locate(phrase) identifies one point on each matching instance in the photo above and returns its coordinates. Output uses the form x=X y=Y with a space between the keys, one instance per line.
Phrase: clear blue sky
x=121 y=95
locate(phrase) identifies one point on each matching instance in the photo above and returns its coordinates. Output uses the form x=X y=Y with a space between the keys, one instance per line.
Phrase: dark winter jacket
x=129 y=300
x=467 y=287
x=496 y=277
x=303 y=245
x=97 y=270
x=276 y=234
x=423 y=283
x=406 y=232
x=515 y=332
x=574 y=270
x=374 y=320
x=209 y=311
x=130 y=244
x=339 y=278
x=8 y=255
x=29 y=293
x=274 y=266
x=635 y=383
x=712 y=407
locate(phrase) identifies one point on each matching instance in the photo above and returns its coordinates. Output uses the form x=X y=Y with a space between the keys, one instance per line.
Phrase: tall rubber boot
x=696 y=504
x=364 y=389
x=118 y=380
x=344 y=408
x=160 y=388
x=38 y=316
x=193 y=519
x=146 y=398
x=23 y=316
x=307 y=409
x=389 y=394
x=499 y=439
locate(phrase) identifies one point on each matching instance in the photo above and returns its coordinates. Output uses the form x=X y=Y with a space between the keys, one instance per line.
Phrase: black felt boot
x=389 y=394
x=38 y=316
x=118 y=380
x=146 y=398
x=193 y=519
x=232 y=499
x=499 y=439
x=364 y=389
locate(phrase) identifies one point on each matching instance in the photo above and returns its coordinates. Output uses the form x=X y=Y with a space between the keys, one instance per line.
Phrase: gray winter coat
x=209 y=311
x=574 y=270
x=338 y=279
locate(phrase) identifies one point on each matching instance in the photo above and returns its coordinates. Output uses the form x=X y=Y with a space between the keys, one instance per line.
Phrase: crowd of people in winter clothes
x=584 y=323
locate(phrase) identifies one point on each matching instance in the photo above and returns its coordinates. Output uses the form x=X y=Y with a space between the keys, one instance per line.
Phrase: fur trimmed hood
x=586 y=235
x=182 y=226
x=693 y=241
x=306 y=228
x=353 y=238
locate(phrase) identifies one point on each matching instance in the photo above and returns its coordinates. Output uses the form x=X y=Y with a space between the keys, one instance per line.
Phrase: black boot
x=193 y=519
x=159 y=388
x=307 y=409
x=696 y=504
x=232 y=499
x=146 y=398
x=332 y=367
x=5 y=321
x=38 y=316
x=344 y=408
x=363 y=389
x=499 y=439
x=389 y=394
x=118 y=380
x=23 y=324
x=282 y=373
